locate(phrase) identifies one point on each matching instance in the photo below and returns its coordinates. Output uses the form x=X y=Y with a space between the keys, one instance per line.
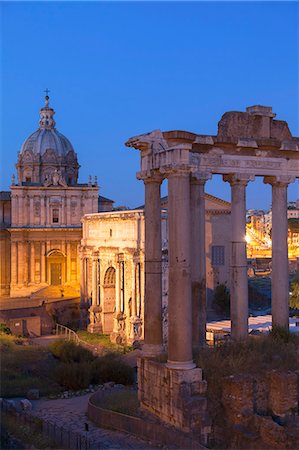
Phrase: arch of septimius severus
x=248 y=144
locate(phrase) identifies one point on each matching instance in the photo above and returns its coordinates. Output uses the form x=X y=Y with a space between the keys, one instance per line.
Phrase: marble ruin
x=248 y=144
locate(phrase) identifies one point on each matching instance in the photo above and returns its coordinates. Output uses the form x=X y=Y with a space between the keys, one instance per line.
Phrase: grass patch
x=29 y=434
x=103 y=340
x=124 y=401
x=24 y=367
x=96 y=339
x=256 y=356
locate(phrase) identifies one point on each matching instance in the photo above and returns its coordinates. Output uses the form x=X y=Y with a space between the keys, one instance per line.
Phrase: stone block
x=26 y=405
x=272 y=434
x=199 y=387
x=283 y=395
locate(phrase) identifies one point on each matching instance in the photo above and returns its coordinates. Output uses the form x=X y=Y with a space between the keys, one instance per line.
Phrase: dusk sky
x=120 y=69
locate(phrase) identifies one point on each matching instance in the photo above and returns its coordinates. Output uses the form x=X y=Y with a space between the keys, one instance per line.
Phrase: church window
x=110 y=232
x=55 y=215
x=217 y=255
x=28 y=179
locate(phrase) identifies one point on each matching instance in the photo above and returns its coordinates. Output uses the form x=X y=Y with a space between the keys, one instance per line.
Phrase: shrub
x=111 y=368
x=5 y=329
x=282 y=334
x=73 y=375
x=221 y=301
x=69 y=352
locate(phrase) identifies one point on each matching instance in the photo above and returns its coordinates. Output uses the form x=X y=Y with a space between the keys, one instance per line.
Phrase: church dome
x=43 y=139
x=47 y=153
x=47 y=137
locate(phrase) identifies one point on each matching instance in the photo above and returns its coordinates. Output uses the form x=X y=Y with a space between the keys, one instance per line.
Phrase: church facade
x=41 y=216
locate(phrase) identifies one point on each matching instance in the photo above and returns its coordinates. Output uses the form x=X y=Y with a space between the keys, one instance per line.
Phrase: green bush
x=5 y=329
x=70 y=352
x=111 y=368
x=73 y=375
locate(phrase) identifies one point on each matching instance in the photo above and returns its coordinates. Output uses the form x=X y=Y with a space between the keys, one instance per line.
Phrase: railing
x=67 y=333
x=63 y=437
x=70 y=335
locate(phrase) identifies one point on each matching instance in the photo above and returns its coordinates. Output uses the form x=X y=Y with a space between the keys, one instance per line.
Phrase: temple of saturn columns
x=247 y=145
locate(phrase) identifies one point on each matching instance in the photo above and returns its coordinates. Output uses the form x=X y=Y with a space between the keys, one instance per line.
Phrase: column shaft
x=82 y=279
x=133 y=289
x=198 y=261
x=153 y=338
x=180 y=299
x=117 y=289
x=280 y=268
x=94 y=282
x=239 y=280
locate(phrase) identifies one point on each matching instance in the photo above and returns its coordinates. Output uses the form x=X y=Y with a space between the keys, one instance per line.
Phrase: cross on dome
x=47 y=96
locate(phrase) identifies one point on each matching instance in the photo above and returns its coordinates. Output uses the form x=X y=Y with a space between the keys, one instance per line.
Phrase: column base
x=176 y=397
x=95 y=325
x=180 y=365
x=152 y=350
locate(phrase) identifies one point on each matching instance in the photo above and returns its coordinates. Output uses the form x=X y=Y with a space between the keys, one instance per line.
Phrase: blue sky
x=120 y=69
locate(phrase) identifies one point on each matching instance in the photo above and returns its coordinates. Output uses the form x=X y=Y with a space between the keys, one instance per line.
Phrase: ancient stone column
x=95 y=287
x=280 y=263
x=198 y=258
x=133 y=289
x=179 y=251
x=82 y=280
x=238 y=273
x=153 y=339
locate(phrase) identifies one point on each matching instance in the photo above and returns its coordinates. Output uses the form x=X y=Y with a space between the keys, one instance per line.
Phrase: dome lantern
x=46 y=115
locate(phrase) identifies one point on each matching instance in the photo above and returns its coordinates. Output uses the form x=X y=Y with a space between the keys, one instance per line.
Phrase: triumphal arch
x=247 y=145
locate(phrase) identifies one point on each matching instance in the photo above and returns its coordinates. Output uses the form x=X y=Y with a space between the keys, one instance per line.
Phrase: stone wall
x=177 y=397
x=261 y=413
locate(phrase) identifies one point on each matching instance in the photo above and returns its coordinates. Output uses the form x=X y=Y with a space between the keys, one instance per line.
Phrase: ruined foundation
x=176 y=397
